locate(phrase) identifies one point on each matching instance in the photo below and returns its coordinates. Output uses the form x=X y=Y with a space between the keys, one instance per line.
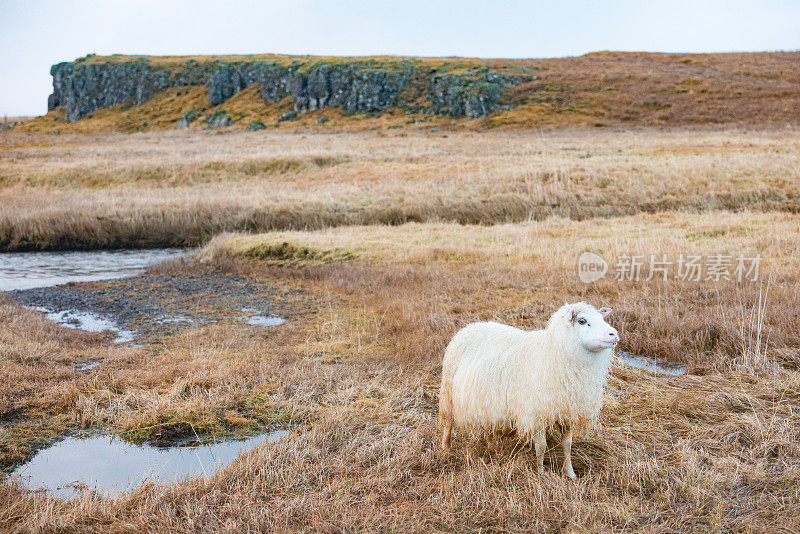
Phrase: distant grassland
x=181 y=188
x=598 y=90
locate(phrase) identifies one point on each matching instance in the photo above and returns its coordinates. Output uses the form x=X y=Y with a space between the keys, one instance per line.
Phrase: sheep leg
x=566 y=445
x=448 y=431
x=540 y=444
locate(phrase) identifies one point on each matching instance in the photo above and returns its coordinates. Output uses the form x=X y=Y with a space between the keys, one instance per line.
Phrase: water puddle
x=110 y=465
x=88 y=322
x=139 y=307
x=87 y=366
x=28 y=270
x=649 y=364
x=174 y=319
x=263 y=320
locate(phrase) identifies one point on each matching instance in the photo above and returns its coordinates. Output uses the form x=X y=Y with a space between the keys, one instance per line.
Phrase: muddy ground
x=155 y=304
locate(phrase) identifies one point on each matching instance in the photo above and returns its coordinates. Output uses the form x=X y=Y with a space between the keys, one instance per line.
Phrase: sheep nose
x=614 y=336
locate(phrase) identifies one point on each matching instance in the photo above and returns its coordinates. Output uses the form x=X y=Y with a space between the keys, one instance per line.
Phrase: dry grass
x=159 y=113
x=619 y=88
x=15 y=120
x=715 y=450
x=181 y=188
x=357 y=377
x=164 y=109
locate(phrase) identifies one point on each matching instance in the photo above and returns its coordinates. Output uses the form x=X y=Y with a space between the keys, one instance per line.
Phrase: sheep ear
x=571 y=315
x=604 y=311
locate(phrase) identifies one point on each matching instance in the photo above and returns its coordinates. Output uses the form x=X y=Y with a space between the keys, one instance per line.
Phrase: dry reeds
x=180 y=189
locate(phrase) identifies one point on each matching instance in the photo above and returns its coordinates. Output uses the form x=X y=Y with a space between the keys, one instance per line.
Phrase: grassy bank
x=714 y=450
x=181 y=188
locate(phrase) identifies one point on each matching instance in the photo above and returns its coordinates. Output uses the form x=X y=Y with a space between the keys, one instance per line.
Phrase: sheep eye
x=581 y=321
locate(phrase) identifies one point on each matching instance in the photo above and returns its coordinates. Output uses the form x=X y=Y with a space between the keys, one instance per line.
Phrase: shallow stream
x=651 y=364
x=49 y=282
x=28 y=270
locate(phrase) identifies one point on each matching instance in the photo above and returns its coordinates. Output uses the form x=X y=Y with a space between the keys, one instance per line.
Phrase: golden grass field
x=403 y=238
x=181 y=188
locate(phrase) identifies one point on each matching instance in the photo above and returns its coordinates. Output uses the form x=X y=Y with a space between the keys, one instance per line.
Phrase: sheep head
x=590 y=327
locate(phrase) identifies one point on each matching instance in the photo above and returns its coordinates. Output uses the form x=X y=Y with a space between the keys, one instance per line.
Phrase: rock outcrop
x=353 y=87
x=459 y=96
x=83 y=87
x=357 y=86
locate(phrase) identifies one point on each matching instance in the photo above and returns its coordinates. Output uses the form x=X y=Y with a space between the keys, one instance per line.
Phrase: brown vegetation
x=716 y=449
x=620 y=88
x=355 y=377
x=15 y=120
x=181 y=188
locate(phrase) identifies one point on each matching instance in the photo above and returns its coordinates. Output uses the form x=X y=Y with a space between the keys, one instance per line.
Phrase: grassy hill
x=603 y=89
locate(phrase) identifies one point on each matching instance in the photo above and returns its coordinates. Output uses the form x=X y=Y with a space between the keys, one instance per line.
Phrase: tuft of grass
x=272 y=250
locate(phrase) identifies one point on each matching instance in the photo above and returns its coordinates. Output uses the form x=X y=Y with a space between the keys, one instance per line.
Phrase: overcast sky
x=35 y=34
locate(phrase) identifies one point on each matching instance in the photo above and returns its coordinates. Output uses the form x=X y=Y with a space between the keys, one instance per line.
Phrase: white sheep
x=497 y=378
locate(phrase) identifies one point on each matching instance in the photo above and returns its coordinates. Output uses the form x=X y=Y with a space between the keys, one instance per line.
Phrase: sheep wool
x=497 y=378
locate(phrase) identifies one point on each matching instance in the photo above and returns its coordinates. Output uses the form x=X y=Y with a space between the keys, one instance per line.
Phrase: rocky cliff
x=357 y=86
x=84 y=87
x=259 y=91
